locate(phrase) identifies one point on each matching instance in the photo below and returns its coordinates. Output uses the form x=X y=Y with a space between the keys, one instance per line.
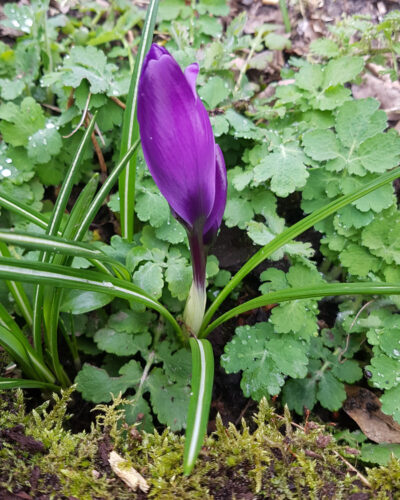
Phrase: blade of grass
x=200 y=400
x=39 y=220
x=326 y=290
x=291 y=233
x=17 y=291
x=18 y=347
x=52 y=229
x=61 y=276
x=130 y=128
x=105 y=189
x=7 y=320
x=22 y=383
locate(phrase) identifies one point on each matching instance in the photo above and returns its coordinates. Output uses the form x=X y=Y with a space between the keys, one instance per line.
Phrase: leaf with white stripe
x=130 y=128
x=200 y=400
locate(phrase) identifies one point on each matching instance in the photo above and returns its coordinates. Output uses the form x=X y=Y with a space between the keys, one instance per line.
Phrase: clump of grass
x=270 y=458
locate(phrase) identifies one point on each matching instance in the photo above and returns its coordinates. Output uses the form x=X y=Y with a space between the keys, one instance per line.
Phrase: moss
x=270 y=458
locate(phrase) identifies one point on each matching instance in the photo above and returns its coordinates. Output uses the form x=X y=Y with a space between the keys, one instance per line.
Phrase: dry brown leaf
x=128 y=474
x=382 y=88
x=365 y=408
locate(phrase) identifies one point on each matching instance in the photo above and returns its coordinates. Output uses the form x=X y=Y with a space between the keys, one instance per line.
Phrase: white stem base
x=195 y=306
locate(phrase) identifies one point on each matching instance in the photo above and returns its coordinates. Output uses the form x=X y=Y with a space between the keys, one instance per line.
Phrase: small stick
x=353 y=469
x=99 y=153
x=84 y=114
x=118 y=102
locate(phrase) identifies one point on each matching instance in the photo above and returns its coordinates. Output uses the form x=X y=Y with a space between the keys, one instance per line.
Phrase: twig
x=50 y=106
x=343 y=351
x=99 y=152
x=242 y=413
x=84 y=115
x=353 y=469
x=118 y=102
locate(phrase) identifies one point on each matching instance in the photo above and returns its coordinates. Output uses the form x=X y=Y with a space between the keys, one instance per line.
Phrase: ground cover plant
x=308 y=148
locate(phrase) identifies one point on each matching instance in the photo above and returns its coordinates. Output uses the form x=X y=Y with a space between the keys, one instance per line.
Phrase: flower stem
x=196 y=301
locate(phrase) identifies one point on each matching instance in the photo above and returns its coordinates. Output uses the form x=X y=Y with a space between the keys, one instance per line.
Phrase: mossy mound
x=40 y=458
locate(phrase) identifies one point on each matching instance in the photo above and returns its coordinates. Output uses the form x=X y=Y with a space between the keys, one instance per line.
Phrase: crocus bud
x=186 y=164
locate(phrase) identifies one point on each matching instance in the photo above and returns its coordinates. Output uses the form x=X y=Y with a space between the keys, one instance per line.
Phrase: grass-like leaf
x=325 y=290
x=130 y=128
x=291 y=233
x=200 y=400
x=64 y=277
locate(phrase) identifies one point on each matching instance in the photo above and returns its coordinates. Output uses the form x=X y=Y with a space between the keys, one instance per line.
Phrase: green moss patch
x=271 y=458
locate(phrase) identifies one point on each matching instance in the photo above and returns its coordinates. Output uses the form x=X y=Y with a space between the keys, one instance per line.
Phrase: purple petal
x=215 y=218
x=177 y=139
x=191 y=73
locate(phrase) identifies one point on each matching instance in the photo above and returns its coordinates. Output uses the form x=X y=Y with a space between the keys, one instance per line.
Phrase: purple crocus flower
x=186 y=164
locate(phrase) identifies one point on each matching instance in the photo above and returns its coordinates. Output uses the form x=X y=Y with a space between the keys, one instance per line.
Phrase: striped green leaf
x=328 y=289
x=65 y=277
x=291 y=233
x=200 y=400
x=22 y=383
x=17 y=291
x=130 y=128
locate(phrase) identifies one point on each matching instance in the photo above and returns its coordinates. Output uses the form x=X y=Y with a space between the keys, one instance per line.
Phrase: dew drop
x=6 y=172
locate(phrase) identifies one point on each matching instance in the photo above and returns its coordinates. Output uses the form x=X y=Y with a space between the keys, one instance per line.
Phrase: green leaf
x=309 y=77
x=214 y=7
x=200 y=400
x=321 y=145
x=171 y=231
x=97 y=386
x=257 y=351
x=121 y=343
x=179 y=277
x=324 y=47
x=80 y=302
x=219 y=124
x=389 y=342
x=85 y=63
x=391 y=402
x=274 y=41
x=342 y=70
x=382 y=237
x=11 y=89
x=177 y=364
x=380 y=153
x=331 y=98
x=149 y=277
x=358 y=260
x=139 y=413
x=215 y=91
x=385 y=371
x=152 y=207
x=330 y=392
x=358 y=120
x=19 y=123
x=286 y=169
x=349 y=371
x=169 y=400
x=238 y=212
x=242 y=126
x=44 y=144
x=380 y=454
x=129 y=321
x=299 y=394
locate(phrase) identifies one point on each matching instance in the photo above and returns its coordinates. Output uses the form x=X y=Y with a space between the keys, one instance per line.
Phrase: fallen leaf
x=365 y=408
x=128 y=474
x=382 y=88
